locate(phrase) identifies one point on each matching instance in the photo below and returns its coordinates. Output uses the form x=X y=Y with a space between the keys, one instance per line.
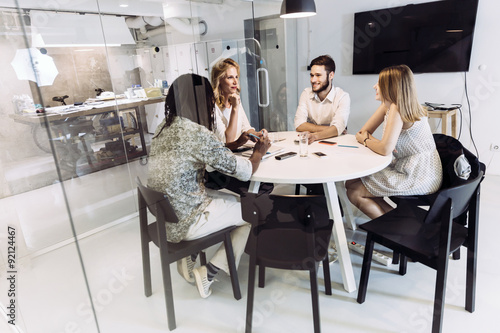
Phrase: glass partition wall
x=83 y=85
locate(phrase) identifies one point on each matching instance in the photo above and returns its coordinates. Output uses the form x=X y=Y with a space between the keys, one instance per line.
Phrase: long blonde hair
x=219 y=73
x=397 y=86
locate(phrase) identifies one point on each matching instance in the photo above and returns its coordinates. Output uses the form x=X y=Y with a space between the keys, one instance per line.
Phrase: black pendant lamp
x=297 y=8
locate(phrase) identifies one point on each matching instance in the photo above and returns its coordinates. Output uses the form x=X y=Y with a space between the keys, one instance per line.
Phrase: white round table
x=345 y=160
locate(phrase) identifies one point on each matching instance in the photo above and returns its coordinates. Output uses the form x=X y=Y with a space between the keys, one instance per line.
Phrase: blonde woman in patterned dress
x=416 y=167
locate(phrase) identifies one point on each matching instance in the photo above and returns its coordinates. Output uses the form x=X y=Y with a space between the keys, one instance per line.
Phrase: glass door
x=277 y=74
x=68 y=171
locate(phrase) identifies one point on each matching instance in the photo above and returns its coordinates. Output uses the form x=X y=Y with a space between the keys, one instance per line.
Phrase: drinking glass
x=274 y=137
x=303 y=143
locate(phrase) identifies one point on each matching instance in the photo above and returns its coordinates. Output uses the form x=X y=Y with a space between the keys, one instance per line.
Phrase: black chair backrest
x=156 y=200
x=460 y=196
x=287 y=227
x=449 y=150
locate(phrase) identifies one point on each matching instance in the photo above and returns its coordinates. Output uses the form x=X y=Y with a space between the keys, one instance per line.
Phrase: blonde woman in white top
x=231 y=120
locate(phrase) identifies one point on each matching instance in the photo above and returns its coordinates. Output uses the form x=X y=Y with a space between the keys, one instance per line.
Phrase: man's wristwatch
x=364 y=142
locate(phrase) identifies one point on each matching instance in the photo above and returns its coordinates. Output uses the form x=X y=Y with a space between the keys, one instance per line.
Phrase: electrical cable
x=461 y=122
x=491 y=160
x=470 y=116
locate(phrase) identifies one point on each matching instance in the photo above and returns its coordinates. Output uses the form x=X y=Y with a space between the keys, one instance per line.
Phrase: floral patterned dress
x=177 y=162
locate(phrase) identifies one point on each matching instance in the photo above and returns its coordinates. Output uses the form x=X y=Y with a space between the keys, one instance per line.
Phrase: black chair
x=155 y=232
x=429 y=237
x=449 y=149
x=288 y=232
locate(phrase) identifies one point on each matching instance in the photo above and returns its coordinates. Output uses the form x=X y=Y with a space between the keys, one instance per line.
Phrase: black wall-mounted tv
x=429 y=37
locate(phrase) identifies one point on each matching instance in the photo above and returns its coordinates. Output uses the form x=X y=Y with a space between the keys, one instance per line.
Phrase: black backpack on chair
x=458 y=163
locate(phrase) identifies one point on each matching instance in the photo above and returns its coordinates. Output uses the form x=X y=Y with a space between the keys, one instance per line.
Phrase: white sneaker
x=202 y=283
x=185 y=268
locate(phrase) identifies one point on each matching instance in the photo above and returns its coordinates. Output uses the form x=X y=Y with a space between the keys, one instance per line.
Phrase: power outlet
x=495 y=147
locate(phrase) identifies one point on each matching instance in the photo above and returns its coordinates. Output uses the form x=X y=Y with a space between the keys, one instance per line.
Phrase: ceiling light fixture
x=297 y=8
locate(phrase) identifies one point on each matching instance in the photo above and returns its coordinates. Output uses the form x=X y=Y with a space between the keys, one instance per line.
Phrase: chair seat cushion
x=184 y=248
x=406 y=227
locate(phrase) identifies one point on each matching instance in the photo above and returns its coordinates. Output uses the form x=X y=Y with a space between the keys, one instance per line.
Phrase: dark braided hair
x=172 y=109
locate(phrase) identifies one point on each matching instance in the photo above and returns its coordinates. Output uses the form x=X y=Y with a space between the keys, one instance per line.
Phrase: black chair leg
x=313 y=276
x=169 y=296
x=262 y=276
x=395 y=258
x=145 y=240
x=402 y=264
x=203 y=258
x=232 y=266
x=470 y=285
x=365 y=269
x=146 y=262
x=326 y=274
x=439 y=296
x=470 y=289
x=250 y=296
x=462 y=219
x=146 y=267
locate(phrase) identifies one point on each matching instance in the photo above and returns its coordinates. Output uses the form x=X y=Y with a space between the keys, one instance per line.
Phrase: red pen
x=331 y=143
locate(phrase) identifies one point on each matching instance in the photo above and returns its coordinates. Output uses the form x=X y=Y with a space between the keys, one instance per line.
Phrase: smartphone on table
x=320 y=154
x=285 y=155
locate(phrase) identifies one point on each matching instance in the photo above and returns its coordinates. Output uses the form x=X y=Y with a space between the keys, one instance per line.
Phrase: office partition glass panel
x=99 y=74
x=43 y=147
x=181 y=38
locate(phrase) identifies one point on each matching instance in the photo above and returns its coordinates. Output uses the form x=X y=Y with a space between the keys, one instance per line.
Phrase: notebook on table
x=272 y=151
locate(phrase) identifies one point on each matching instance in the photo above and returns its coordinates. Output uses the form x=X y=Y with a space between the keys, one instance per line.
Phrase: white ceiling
x=135 y=7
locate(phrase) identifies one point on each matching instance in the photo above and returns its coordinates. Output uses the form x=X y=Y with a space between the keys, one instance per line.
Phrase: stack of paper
x=273 y=150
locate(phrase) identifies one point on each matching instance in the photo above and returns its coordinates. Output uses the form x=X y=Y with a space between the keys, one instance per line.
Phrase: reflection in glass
x=69 y=171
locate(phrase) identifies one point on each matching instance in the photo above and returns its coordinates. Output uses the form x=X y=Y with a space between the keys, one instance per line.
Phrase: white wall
x=331 y=32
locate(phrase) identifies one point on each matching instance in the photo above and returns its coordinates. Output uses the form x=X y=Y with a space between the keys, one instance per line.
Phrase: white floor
x=52 y=297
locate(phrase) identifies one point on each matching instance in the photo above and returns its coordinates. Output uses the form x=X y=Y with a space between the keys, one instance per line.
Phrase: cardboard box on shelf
x=153 y=92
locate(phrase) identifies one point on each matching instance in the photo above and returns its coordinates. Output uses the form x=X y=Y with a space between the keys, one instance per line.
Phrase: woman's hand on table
x=233 y=146
x=361 y=136
x=262 y=145
x=259 y=150
x=253 y=134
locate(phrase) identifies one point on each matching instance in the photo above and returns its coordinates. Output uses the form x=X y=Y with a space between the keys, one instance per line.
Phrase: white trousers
x=222 y=212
